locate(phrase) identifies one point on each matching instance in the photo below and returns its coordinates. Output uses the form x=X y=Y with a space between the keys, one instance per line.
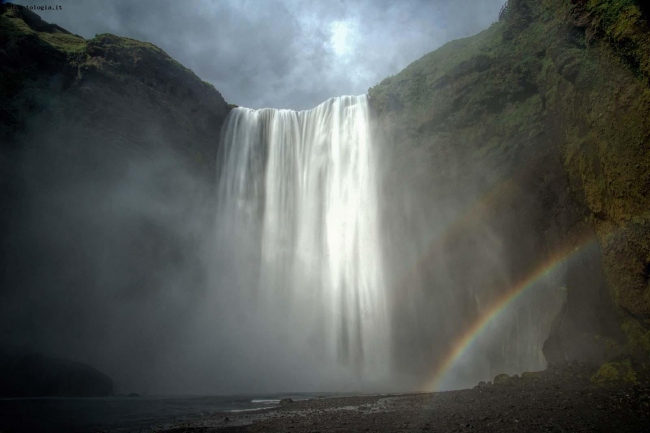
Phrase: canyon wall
x=536 y=133
x=107 y=173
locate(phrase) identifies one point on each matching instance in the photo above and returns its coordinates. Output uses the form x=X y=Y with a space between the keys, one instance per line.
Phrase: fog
x=457 y=238
x=126 y=251
x=117 y=257
x=104 y=257
x=128 y=260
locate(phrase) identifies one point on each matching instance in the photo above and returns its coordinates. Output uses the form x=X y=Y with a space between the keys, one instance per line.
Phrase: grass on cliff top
x=16 y=26
x=621 y=21
x=110 y=54
x=416 y=84
x=416 y=80
x=111 y=41
x=126 y=52
x=441 y=61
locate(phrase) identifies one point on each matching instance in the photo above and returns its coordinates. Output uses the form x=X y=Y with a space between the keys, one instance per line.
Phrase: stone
x=501 y=378
x=531 y=375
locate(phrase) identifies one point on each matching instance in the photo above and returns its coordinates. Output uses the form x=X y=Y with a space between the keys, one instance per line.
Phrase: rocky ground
x=558 y=399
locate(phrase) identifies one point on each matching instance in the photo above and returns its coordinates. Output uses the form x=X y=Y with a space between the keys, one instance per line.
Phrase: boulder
x=531 y=375
x=501 y=378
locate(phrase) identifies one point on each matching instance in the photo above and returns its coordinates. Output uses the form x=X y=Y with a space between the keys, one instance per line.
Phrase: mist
x=128 y=260
x=457 y=236
x=183 y=246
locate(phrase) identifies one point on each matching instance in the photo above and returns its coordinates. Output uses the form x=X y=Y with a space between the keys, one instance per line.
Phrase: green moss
x=64 y=42
x=638 y=337
x=108 y=54
x=416 y=84
x=127 y=53
x=626 y=31
x=531 y=375
x=560 y=74
x=614 y=373
x=610 y=344
x=14 y=26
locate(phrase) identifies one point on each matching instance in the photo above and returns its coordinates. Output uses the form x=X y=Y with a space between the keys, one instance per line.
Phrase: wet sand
x=558 y=399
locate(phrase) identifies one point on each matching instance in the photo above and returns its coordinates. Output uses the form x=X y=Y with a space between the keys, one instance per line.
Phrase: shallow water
x=123 y=414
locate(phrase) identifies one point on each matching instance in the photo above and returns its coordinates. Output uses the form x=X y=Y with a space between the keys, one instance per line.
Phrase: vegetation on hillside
x=565 y=80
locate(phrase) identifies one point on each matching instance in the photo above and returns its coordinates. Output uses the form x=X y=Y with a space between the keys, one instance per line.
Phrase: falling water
x=298 y=189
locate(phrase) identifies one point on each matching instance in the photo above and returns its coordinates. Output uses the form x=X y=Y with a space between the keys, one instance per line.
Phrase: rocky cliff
x=541 y=125
x=106 y=181
x=94 y=86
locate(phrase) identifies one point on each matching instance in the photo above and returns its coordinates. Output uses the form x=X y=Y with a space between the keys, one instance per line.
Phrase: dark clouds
x=284 y=53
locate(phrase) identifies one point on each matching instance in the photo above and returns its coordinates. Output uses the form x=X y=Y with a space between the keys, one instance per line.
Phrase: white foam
x=306 y=182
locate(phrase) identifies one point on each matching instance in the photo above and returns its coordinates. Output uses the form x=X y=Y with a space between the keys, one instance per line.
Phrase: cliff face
x=107 y=176
x=108 y=89
x=538 y=131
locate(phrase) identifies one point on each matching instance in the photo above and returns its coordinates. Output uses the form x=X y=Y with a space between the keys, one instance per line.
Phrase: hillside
x=106 y=172
x=544 y=121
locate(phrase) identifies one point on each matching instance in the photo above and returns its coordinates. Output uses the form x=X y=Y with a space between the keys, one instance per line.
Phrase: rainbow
x=497 y=307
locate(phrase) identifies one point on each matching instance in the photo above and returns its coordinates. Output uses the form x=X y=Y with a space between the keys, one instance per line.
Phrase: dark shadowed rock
x=285 y=401
x=29 y=374
x=481 y=384
x=82 y=121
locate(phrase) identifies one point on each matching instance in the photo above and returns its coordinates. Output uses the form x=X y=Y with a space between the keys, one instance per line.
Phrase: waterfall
x=298 y=189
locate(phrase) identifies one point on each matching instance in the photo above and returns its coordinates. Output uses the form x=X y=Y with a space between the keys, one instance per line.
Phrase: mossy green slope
x=560 y=89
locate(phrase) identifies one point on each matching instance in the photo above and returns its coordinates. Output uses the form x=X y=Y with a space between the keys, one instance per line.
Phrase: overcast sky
x=283 y=53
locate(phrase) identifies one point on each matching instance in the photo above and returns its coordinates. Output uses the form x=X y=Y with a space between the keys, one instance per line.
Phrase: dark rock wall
x=107 y=178
x=30 y=374
x=520 y=143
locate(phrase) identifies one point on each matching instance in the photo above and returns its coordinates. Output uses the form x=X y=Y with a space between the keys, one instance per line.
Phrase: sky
x=283 y=53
